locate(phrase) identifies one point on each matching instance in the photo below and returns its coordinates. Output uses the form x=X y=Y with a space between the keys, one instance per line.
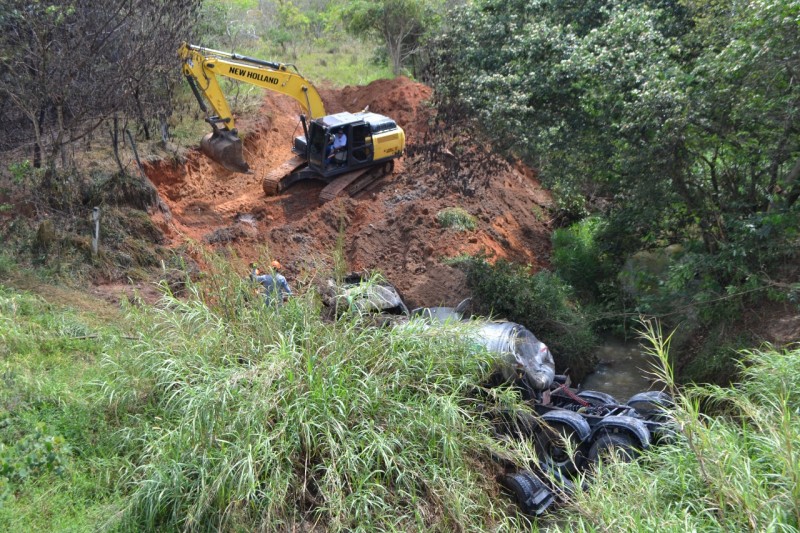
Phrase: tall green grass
x=273 y=419
x=58 y=458
x=215 y=412
x=734 y=464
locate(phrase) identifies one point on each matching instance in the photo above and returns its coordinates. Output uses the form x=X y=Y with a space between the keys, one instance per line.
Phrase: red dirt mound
x=390 y=227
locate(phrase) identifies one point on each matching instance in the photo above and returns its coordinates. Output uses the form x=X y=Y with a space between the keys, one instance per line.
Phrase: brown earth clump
x=390 y=227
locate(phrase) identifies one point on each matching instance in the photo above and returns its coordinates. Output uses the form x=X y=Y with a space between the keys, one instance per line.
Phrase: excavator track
x=272 y=181
x=354 y=182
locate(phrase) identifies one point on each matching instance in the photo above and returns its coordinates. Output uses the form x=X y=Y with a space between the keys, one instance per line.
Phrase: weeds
x=57 y=455
x=734 y=471
x=275 y=419
x=456 y=218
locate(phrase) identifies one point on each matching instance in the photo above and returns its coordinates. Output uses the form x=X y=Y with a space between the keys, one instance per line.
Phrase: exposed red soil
x=390 y=227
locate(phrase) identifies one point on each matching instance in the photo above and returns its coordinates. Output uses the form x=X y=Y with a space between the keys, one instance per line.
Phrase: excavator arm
x=202 y=66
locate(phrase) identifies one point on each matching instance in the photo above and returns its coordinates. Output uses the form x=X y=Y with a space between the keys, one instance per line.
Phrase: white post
x=96 y=237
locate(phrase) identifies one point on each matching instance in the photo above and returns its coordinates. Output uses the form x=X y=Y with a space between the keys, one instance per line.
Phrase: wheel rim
x=558 y=445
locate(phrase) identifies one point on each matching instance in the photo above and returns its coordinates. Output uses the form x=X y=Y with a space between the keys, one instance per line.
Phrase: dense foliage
x=676 y=122
x=67 y=67
x=542 y=302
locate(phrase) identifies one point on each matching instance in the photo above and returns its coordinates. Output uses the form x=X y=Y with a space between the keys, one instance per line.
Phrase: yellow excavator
x=347 y=164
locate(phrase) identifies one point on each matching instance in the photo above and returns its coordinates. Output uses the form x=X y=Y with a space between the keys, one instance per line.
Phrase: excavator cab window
x=316 y=143
x=362 y=143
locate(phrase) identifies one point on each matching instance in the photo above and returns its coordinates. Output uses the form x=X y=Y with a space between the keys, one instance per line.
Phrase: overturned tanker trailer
x=571 y=429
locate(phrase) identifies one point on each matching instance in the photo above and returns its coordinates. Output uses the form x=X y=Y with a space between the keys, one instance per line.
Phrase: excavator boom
x=202 y=66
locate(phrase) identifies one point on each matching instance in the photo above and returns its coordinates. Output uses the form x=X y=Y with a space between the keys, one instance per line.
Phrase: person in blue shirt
x=339 y=145
x=276 y=288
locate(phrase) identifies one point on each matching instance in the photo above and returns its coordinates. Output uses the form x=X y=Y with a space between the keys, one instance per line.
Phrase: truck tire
x=607 y=444
x=651 y=405
x=531 y=495
x=559 y=441
x=597 y=398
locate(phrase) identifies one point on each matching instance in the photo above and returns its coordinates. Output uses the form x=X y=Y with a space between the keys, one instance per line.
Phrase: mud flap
x=529 y=492
x=225 y=147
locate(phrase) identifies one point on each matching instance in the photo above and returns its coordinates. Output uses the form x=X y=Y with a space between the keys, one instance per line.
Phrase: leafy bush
x=542 y=302
x=578 y=258
x=32 y=455
x=23 y=172
x=456 y=218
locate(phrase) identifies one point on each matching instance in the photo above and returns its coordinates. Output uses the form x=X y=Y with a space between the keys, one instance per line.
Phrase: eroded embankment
x=390 y=227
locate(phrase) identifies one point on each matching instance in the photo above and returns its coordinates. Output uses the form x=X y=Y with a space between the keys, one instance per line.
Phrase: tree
x=288 y=24
x=673 y=121
x=402 y=25
x=675 y=118
x=224 y=25
x=66 y=67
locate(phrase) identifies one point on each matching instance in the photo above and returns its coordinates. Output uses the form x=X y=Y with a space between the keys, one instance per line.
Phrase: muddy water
x=624 y=369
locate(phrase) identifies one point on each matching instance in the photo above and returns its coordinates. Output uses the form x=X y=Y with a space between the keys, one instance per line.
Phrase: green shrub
x=578 y=259
x=23 y=173
x=32 y=455
x=456 y=218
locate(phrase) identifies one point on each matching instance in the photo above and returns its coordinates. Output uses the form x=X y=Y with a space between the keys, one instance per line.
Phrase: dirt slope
x=390 y=227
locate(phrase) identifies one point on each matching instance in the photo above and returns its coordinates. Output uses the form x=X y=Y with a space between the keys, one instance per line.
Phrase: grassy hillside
x=213 y=412
x=59 y=462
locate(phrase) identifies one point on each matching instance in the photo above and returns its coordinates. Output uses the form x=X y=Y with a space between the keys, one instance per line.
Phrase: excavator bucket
x=225 y=147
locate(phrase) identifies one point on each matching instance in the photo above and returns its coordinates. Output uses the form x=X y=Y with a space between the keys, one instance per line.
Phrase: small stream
x=623 y=370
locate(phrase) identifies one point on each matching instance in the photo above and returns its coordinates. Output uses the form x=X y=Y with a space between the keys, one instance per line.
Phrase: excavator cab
x=370 y=138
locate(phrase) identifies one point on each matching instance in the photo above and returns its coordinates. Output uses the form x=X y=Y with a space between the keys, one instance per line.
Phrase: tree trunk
x=38 y=149
x=164 y=129
x=793 y=184
x=115 y=143
x=395 y=49
x=61 y=140
x=140 y=112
